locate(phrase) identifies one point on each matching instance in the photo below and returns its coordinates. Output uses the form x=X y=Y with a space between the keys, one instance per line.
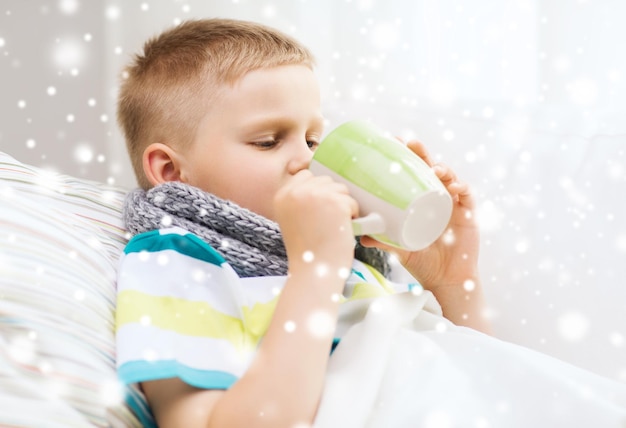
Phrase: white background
x=525 y=99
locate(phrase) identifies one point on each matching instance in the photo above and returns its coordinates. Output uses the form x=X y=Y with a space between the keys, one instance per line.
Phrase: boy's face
x=256 y=136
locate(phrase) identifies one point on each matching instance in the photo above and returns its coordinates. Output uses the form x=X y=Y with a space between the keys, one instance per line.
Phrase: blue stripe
x=359 y=274
x=140 y=408
x=144 y=371
x=412 y=285
x=189 y=245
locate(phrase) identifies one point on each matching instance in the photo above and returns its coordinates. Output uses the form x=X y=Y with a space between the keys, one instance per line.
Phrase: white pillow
x=60 y=239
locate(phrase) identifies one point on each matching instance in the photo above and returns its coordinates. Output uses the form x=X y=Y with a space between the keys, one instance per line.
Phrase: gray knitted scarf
x=249 y=242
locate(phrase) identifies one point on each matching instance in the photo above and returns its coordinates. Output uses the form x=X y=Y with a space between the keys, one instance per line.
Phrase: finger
x=465 y=196
x=304 y=183
x=325 y=183
x=303 y=174
x=445 y=174
x=354 y=207
x=419 y=149
x=459 y=191
x=369 y=242
x=300 y=177
x=455 y=188
x=339 y=188
x=314 y=181
x=336 y=192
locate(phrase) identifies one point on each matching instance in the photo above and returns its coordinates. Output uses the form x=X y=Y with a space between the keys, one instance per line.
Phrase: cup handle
x=371 y=224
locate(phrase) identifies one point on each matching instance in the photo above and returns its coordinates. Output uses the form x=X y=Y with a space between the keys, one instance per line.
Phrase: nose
x=300 y=157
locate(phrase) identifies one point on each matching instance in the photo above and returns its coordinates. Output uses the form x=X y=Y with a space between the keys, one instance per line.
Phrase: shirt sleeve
x=177 y=315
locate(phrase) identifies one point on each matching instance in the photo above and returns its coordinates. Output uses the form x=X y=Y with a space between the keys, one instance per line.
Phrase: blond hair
x=166 y=91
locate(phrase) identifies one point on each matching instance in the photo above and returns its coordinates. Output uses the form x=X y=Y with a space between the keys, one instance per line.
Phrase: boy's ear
x=161 y=163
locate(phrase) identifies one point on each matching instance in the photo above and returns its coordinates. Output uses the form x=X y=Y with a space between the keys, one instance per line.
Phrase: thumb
x=369 y=242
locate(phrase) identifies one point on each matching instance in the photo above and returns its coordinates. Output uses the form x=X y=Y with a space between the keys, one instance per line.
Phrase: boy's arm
x=449 y=267
x=283 y=385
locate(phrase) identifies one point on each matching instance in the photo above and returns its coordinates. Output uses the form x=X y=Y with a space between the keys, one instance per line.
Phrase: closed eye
x=312 y=144
x=265 y=144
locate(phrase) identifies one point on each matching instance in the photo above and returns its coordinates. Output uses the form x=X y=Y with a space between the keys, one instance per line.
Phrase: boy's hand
x=314 y=214
x=453 y=258
x=449 y=266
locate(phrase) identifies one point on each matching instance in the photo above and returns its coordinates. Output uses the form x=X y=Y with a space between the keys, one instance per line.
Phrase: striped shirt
x=182 y=311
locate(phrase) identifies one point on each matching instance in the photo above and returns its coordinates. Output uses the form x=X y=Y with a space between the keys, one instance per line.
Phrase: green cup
x=402 y=201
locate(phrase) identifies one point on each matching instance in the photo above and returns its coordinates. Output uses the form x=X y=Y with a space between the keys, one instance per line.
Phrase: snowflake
x=112 y=392
x=68 y=54
x=290 y=326
x=573 y=326
x=321 y=324
x=83 y=153
x=68 y=7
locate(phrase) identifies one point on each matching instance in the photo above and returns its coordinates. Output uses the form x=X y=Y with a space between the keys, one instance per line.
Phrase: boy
x=221 y=119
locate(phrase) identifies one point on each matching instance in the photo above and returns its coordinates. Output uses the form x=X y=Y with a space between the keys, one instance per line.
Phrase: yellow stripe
x=194 y=318
x=381 y=279
x=183 y=316
x=364 y=290
x=258 y=318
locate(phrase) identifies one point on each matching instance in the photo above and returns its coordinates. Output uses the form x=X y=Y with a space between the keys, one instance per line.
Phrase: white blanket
x=403 y=366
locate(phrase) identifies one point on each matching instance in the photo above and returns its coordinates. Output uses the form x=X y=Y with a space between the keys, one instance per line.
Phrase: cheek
x=261 y=186
x=256 y=191
x=260 y=174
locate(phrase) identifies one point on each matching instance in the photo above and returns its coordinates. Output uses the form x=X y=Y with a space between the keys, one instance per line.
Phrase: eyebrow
x=278 y=121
